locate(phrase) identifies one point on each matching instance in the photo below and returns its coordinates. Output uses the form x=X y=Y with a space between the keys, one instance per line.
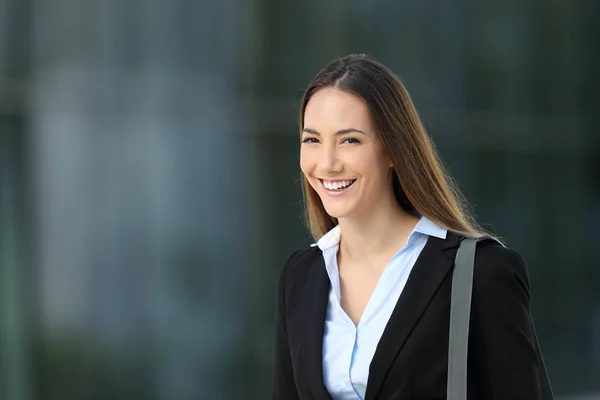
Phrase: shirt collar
x=424 y=226
x=329 y=239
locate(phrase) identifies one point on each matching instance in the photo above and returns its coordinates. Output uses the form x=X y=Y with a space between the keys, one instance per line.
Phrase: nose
x=329 y=161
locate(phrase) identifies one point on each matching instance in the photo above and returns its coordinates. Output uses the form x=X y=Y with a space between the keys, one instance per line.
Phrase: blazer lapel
x=427 y=274
x=316 y=297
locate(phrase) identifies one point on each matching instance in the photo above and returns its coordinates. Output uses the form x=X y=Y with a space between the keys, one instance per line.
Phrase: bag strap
x=460 y=312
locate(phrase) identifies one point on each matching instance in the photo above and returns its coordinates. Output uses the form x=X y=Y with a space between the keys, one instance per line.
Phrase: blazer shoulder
x=495 y=263
x=299 y=262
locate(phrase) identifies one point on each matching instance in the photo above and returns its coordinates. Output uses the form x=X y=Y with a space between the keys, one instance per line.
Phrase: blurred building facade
x=149 y=176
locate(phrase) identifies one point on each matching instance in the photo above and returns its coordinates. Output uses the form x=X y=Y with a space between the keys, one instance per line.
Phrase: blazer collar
x=432 y=265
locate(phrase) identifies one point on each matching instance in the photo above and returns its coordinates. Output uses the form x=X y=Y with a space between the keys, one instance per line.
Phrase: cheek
x=376 y=167
x=364 y=164
x=306 y=162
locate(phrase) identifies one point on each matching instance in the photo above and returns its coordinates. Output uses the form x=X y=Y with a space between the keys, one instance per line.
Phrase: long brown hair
x=421 y=182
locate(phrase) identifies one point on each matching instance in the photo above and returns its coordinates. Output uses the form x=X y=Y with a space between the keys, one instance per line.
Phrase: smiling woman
x=364 y=312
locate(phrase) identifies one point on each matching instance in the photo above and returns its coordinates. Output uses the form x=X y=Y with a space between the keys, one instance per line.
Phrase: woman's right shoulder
x=300 y=261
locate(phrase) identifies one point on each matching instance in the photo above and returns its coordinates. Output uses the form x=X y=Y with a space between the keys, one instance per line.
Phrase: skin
x=339 y=142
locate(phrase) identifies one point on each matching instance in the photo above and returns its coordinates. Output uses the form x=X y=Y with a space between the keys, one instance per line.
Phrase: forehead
x=334 y=109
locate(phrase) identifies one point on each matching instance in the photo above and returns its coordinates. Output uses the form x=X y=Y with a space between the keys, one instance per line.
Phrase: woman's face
x=341 y=156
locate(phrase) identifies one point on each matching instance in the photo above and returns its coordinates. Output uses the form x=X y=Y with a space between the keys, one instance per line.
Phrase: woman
x=364 y=313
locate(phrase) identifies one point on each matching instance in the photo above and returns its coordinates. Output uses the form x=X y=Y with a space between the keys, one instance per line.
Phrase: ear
x=388 y=160
x=391 y=169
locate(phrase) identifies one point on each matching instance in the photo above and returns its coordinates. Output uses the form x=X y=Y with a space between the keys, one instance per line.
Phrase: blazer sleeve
x=504 y=341
x=283 y=385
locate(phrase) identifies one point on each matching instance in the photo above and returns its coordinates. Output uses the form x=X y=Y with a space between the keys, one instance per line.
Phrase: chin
x=335 y=215
x=337 y=212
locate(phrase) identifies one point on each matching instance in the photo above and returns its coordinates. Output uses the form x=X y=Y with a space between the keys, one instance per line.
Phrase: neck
x=382 y=231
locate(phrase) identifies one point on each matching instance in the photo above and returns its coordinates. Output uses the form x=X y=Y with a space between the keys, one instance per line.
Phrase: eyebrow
x=340 y=132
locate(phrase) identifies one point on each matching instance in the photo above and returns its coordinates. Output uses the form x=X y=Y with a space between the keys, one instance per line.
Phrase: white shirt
x=348 y=350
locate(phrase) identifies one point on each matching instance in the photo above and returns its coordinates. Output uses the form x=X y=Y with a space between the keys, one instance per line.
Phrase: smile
x=337 y=187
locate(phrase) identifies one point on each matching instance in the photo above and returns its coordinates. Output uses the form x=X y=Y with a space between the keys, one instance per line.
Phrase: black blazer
x=411 y=359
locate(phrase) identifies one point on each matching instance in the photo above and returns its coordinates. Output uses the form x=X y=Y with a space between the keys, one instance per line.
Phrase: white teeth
x=336 y=185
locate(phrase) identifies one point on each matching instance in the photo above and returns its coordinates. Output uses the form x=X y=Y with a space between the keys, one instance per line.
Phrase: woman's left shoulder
x=495 y=264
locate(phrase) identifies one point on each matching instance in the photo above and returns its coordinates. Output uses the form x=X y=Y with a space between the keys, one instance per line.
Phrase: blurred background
x=149 y=177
